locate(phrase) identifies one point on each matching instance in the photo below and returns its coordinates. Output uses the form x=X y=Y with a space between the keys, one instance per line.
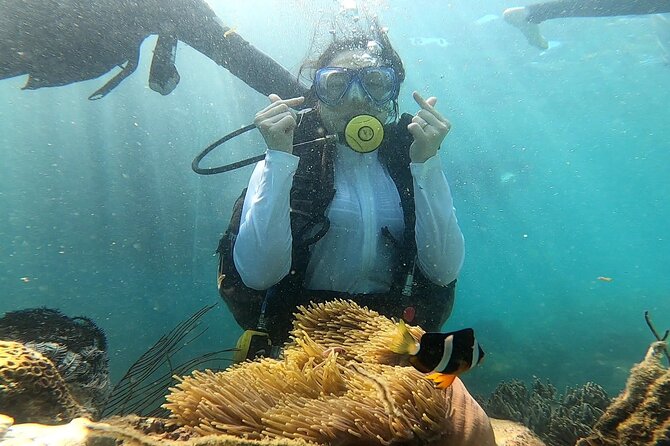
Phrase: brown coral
x=336 y=384
x=558 y=420
x=31 y=389
x=641 y=414
x=74 y=345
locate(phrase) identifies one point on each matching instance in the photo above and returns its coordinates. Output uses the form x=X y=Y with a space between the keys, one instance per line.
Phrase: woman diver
x=367 y=214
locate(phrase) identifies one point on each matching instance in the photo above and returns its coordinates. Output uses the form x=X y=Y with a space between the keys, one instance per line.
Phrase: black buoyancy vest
x=428 y=304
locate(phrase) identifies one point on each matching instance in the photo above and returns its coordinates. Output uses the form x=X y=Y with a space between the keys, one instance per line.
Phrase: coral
x=337 y=383
x=640 y=415
x=31 y=389
x=143 y=387
x=75 y=345
x=559 y=421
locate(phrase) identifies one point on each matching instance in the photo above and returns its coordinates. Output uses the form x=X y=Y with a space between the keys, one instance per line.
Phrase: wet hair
x=358 y=41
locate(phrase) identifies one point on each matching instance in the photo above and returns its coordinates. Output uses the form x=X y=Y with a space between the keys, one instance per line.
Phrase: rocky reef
x=640 y=415
x=585 y=416
x=337 y=383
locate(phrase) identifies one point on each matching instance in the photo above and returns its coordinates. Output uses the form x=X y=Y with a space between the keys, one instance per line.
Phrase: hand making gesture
x=428 y=127
x=277 y=122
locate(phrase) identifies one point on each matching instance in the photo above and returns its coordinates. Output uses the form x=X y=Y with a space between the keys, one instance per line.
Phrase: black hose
x=195 y=165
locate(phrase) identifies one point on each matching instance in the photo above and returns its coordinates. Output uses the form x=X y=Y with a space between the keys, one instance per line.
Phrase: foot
x=518 y=17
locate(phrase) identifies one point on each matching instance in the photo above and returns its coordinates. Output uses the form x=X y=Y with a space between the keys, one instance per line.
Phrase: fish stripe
x=475 y=354
x=446 y=355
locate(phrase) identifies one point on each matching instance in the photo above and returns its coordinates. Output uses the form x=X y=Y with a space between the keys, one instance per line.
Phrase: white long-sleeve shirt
x=353 y=256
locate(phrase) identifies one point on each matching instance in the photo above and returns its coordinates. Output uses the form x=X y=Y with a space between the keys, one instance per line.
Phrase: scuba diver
x=527 y=18
x=85 y=40
x=349 y=202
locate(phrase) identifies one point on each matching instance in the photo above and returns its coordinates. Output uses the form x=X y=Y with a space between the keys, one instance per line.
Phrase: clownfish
x=443 y=355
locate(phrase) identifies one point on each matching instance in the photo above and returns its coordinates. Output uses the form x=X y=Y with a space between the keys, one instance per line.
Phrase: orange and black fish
x=443 y=355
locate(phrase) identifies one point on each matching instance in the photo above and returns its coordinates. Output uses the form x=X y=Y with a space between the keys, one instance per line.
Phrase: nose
x=356 y=93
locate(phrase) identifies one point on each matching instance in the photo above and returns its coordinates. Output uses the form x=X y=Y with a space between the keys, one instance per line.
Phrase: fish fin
x=441 y=379
x=403 y=342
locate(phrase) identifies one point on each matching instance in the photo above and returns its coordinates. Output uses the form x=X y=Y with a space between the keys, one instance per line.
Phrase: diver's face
x=355 y=101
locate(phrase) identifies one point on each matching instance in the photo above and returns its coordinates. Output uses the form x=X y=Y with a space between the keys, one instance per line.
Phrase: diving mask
x=380 y=84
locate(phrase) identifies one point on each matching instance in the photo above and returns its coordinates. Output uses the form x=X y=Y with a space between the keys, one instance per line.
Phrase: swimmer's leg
x=518 y=17
x=528 y=18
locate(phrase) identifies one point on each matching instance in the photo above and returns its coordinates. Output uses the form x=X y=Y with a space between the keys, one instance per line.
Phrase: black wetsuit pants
x=540 y=12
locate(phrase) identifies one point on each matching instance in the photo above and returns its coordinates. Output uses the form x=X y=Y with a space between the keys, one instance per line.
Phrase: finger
x=431 y=101
x=428 y=105
x=271 y=121
x=291 y=102
x=422 y=102
x=276 y=100
x=433 y=120
x=287 y=123
x=418 y=119
x=278 y=107
x=274 y=110
x=417 y=132
x=423 y=123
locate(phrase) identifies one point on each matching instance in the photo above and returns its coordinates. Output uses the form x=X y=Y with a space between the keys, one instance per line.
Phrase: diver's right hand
x=277 y=122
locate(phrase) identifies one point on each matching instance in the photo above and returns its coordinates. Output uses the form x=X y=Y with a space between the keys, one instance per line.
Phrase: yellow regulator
x=364 y=133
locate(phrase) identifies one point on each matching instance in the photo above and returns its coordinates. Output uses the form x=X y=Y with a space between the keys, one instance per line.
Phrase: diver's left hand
x=428 y=127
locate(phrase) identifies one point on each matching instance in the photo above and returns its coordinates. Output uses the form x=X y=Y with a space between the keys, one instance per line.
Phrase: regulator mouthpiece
x=364 y=133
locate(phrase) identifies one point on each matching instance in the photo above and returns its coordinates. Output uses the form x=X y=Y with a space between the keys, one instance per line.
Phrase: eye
x=378 y=83
x=375 y=78
x=336 y=81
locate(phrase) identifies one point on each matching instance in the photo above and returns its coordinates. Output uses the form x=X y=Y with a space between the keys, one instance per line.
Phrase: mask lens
x=332 y=84
x=379 y=83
